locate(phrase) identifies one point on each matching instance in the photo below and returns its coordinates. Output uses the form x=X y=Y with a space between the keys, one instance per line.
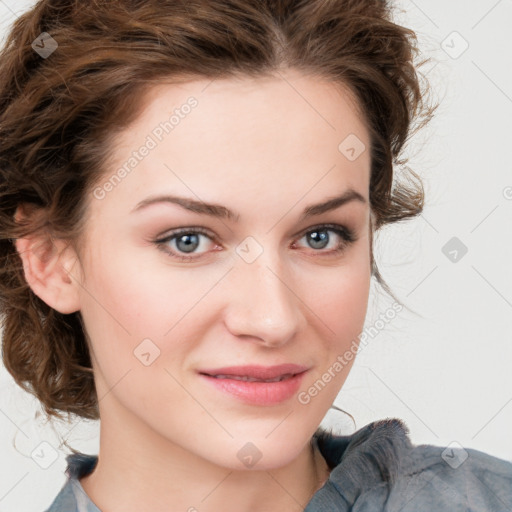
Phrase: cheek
x=137 y=296
x=128 y=307
x=340 y=307
x=338 y=296
x=130 y=299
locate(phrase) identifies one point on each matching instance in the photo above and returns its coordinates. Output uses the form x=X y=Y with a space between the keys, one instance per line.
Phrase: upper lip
x=257 y=372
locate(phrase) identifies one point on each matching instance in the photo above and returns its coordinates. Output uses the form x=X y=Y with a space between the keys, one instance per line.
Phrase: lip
x=256 y=371
x=257 y=393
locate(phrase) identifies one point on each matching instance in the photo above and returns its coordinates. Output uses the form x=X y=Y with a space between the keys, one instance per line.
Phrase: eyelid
x=350 y=234
x=185 y=230
x=188 y=229
x=347 y=235
x=161 y=240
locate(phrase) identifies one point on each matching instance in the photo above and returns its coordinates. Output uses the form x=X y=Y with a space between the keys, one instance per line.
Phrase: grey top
x=375 y=469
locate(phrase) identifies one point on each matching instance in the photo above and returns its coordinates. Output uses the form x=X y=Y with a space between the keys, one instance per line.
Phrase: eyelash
x=347 y=235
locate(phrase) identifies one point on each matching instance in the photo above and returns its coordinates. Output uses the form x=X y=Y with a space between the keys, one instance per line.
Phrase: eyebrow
x=219 y=211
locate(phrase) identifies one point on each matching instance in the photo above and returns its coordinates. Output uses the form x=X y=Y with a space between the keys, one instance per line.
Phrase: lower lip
x=258 y=393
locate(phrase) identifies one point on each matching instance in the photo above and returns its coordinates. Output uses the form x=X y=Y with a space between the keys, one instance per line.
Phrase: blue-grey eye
x=319 y=238
x=187 y=242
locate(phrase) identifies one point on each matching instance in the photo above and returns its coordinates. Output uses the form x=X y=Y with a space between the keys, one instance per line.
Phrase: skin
x=168 y=440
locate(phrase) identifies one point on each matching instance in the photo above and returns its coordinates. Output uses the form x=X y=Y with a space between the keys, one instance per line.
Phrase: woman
x=189 y=196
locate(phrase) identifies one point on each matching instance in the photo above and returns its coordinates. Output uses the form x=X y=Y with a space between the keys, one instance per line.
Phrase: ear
x=48 y=265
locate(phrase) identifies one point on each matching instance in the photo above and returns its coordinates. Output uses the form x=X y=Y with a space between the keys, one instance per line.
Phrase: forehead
x=290 y=93
x=226 y=139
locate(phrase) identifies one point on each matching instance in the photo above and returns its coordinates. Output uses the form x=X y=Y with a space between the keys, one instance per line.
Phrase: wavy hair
x=59 y=115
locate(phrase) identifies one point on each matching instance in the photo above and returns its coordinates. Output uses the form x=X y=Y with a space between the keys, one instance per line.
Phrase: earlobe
x=48 y=266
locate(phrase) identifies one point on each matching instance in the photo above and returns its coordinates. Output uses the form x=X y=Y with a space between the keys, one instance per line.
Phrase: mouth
x=257 y=385
x=252 y=373
x=246 y=378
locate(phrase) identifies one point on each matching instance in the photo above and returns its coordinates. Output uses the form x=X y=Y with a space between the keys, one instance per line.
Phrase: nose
x=262 y=303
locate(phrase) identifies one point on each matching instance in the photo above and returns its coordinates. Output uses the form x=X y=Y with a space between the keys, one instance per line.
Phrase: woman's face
x=266 y=284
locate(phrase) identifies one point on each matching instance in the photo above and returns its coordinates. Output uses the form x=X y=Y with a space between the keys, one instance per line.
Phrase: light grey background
x=446 y=370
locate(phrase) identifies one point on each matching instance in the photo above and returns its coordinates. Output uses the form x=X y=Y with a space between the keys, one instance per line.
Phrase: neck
x=148 y=475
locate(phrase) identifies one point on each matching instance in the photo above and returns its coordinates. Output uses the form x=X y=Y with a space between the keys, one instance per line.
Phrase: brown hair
x=59 y=115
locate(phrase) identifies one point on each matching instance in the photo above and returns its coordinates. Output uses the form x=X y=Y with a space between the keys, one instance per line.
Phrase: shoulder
x=438 y=477
x=380 y=469
x=72 y=497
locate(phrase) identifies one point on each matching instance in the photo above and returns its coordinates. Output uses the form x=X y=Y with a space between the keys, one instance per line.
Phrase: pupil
x=190 y=243
x=321 y=237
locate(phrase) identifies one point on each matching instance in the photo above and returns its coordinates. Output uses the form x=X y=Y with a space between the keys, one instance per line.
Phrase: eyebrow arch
x=216 y=210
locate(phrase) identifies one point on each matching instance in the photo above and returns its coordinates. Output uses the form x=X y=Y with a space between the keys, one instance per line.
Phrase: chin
x=260 y=454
